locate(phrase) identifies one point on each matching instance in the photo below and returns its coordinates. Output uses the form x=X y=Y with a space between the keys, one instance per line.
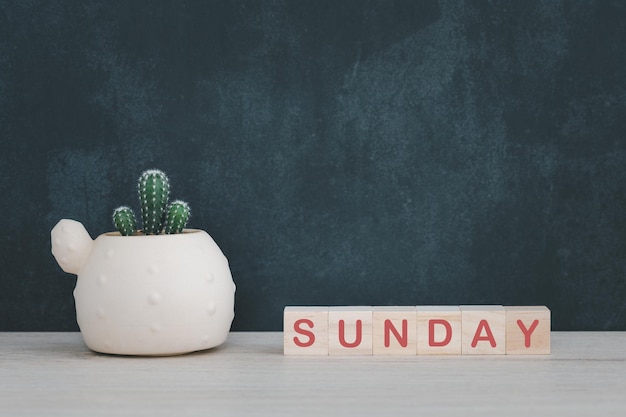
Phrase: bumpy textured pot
x=147 y=295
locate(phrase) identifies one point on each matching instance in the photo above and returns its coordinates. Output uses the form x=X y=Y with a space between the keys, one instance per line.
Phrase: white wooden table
x=54 y=374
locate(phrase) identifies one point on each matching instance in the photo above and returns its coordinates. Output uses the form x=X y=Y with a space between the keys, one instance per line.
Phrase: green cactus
x=124 y=220
x=177 y=217
x=157 y=217
x=154 y=188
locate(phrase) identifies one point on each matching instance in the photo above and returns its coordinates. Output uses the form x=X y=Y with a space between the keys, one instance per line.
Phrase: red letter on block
x=489 y=337
x=309 y=334
x=431 y=332
x=404 y=339
x=527 y=332
x=342 y=335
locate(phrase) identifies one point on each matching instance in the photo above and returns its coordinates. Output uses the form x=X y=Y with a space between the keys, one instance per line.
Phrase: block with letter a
x=350 y=330
x=305 y=331
x=527 y=330
x=438 y=330
x=394 y=331
x=483 y=330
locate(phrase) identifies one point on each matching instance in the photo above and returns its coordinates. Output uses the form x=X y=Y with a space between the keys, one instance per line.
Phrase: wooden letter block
x=394 y=331
x=483 y=330
x=438 y=330
x=350 y=330
x=305 y=331
x=527 y=330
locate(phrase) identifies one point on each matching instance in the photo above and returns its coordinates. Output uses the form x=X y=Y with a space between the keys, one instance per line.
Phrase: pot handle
x=71 y=245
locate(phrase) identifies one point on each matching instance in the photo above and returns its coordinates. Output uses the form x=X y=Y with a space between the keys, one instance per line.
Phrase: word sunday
x=417 y=330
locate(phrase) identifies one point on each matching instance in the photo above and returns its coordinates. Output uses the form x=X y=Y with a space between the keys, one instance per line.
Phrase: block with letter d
x=438 y=330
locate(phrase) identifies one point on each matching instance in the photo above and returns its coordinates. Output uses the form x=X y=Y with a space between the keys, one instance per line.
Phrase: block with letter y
x=527 y=330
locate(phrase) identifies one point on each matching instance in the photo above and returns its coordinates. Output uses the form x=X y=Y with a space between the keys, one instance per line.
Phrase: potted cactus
x=159 y=290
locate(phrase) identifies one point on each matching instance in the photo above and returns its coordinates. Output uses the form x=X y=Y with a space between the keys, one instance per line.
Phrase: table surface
x=56 y=374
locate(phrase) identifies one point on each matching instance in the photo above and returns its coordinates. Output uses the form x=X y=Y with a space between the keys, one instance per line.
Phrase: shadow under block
x=483 y=330
x=394 y=331
x=350 y=331
x=305 y=331
x=438 y=330
x=527 y=330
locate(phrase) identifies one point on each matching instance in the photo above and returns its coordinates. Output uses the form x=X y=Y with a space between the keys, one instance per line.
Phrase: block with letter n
x=394 y=331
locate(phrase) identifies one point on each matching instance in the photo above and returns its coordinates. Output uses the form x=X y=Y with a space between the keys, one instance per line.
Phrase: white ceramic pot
x=147 y=295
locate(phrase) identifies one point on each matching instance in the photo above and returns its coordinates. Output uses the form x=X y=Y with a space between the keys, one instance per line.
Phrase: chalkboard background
x=339 y=152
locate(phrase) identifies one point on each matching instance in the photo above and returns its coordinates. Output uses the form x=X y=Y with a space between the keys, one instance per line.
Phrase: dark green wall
x=339 y=152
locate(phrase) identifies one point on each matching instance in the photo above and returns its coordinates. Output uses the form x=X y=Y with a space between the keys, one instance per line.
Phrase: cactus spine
x=154 y=188
x=177 y=217
x=124 y=220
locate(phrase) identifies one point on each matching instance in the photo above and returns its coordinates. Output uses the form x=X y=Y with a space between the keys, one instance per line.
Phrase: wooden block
x=438 y=330
x=350 y=330
x=527 y=330
x=394 y=331
x=483 y=330
x=305 y=331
